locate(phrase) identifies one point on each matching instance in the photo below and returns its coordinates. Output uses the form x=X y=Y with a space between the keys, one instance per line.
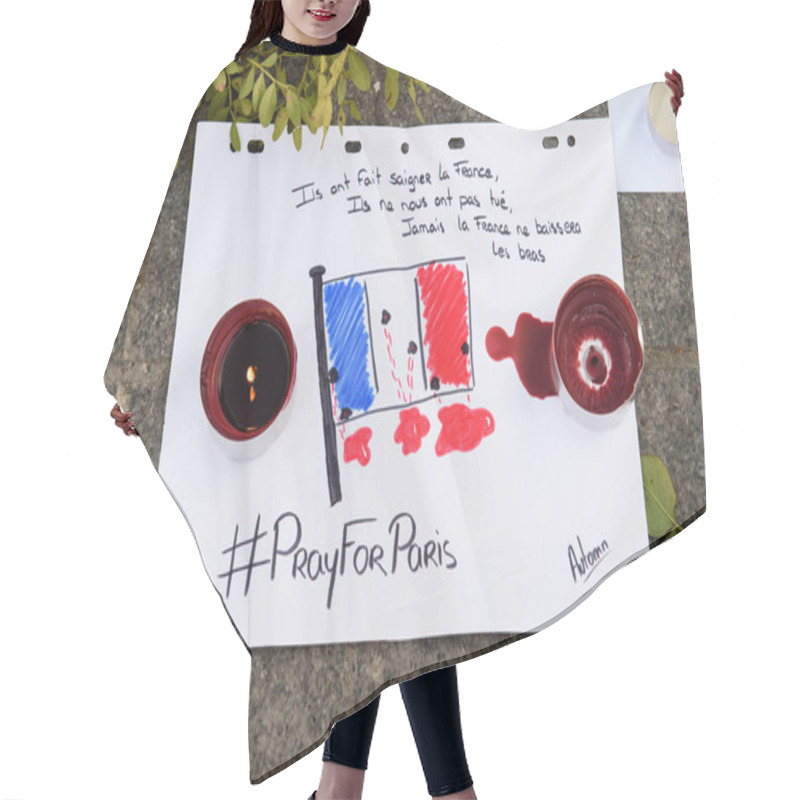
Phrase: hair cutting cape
x=418 y=381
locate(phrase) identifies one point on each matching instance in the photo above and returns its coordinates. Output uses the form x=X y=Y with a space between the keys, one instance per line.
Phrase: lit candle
x=248 y=370
x=257 y=349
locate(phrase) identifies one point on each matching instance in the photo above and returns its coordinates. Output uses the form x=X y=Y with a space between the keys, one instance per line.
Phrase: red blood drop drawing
x=463 y=428
x=356 y=447
x=530 y=348
x=411 y=430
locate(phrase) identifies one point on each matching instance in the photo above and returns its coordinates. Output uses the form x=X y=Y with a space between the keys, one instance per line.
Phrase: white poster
x=405 y=423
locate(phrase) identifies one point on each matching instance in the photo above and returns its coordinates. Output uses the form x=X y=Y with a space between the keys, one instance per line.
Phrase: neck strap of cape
x=308 y=49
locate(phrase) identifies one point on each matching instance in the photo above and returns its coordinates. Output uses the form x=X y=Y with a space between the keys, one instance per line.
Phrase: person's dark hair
x=266 y=18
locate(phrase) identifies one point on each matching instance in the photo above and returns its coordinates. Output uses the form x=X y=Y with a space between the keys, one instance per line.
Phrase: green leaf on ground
x=392 y=88
x=267 y=107
x=248 y=83
x=358 y=71
x=280 y=123
x=659 y=497
x=259 y=90
x=293 y=104
x=236 y=142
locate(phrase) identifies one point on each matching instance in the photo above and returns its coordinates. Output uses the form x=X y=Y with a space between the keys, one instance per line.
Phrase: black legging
x=432 y=707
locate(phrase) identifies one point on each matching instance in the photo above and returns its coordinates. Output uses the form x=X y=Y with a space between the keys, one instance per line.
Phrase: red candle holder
x=597 y=347
x=248 y=370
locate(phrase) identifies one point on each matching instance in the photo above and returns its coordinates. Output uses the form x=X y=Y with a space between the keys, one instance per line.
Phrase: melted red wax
x=530 y=349
x=411 y=430
x=463 y=428
x=356 y=447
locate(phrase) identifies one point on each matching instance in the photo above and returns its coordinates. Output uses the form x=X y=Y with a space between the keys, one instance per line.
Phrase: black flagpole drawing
x=328 y=424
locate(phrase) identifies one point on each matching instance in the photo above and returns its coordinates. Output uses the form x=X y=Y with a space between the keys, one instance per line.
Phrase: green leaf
x=292 y=103
x=246 y=107
x=233 y=69
x=659 y=497
x=258 y=91
x=236 y=142
x=337 y=65
x=306 y=109
x=220 y=82
x=357 y=71
x=270 y=60
x=341 y=89
x=326 y=115
x=220 y=102
x=297 y=135
x=236 y=83
x=392 y=88
x=248 y=83
x=267 y=107
x=354 y=112
x=342 y=120
x=327 y=112
x=280 y=123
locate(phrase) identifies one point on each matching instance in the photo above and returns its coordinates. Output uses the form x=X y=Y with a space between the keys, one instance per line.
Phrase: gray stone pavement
x=297 y=692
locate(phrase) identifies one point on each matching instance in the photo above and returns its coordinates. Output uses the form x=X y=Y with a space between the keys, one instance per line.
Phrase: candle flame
x=251 y=379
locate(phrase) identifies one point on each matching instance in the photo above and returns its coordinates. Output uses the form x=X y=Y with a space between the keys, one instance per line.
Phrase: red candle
x=597 y=345
x=248 y=370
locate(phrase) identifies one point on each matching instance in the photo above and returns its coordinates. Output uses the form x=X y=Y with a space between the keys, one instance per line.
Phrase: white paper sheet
x=504 y=537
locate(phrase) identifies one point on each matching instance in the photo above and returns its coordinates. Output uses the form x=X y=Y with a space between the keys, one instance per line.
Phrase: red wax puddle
x=443 y=291
x=356 y=447
x=411 y=430
x=530 y=349
x=463 y=428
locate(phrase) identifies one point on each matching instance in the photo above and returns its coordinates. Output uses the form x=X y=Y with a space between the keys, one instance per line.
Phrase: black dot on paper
x=346 y=414
x=333 y=375
x=571 y=141
x=550 y=142
x=385 y=317
x=404 y=147
x=412 y=348
x=435 y=384
x=255 y=146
